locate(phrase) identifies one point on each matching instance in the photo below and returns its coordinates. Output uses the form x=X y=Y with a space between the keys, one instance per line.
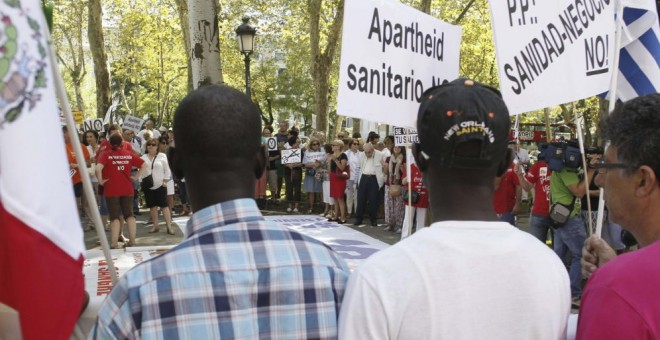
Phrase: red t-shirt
x=417 y=185
x=105 y=146
x=505 y=196
x=82 y=166
x=539 y=175
x=117 y=166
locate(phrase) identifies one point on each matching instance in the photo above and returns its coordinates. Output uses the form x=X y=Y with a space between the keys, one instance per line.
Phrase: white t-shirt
x=459 y=280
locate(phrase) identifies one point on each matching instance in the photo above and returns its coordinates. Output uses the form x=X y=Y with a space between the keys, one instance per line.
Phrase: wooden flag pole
x=75 y=141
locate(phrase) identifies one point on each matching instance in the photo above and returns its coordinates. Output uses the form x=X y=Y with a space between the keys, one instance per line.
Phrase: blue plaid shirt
x=235 y=276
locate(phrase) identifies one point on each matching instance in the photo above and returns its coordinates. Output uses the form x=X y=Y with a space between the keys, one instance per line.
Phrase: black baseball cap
x=459 y=112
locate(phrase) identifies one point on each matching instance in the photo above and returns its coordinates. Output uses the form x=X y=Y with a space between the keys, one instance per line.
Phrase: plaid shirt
x=235 y=276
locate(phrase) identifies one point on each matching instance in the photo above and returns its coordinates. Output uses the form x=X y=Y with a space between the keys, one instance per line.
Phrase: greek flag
x=639 y=59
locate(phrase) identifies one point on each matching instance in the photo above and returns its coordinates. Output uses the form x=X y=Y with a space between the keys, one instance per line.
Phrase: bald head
x=368 y=150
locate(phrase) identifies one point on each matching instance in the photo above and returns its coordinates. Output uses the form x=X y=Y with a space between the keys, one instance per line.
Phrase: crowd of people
x=126 y=169
x=465 y=273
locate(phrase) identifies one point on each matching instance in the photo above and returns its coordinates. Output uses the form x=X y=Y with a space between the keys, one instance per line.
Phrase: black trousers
x=293 y=183
x=367 y=193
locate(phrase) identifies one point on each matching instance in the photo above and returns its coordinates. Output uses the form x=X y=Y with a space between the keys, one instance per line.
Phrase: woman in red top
x=418 y=208
x=114 y=173
x=338 y=161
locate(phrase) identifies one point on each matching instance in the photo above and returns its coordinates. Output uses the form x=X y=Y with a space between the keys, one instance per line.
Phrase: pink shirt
x=622 y=298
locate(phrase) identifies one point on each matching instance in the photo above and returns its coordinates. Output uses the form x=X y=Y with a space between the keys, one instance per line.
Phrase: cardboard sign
x=391 y=53
x=405 y=137
x=93 y=124
x=552 y=52
x=133 y=123
x=272 y=144
x=291 y=156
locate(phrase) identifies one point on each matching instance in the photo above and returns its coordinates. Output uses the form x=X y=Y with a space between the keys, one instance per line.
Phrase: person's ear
x=175 y=163
x=504 y=165
x=420 y=159
x=260 y=161
x=647 y=181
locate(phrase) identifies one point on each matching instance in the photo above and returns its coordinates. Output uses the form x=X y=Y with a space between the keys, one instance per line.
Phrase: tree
x=205 y=46
x=97 y=47
x=68 y=37
x=182 y=10
x=322 y=57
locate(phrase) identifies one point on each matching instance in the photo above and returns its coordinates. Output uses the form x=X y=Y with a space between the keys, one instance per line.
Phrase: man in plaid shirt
x=235 y=276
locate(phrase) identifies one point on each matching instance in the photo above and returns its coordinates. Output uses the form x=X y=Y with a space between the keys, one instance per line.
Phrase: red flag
x=41 y=241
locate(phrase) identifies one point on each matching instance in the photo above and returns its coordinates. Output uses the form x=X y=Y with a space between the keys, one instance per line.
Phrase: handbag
x=395 y=190
x=148 y=181
x=414 y=195
x=560 y=213
x=343 y=174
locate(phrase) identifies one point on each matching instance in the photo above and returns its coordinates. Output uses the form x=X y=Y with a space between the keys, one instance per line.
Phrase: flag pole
x=585 y=167
x=409 y=207
x=75 y=141
x=612 y=101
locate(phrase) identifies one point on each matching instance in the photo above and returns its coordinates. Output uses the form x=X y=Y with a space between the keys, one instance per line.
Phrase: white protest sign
x=552 y=52
x=290 y=156
x=311 y=156
x=405 y=137
x=133 y=123
x=93 y=124
x=390 y=54
x=272 y=143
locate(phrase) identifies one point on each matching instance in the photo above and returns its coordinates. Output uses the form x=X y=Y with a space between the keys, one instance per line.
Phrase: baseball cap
x=459 y=112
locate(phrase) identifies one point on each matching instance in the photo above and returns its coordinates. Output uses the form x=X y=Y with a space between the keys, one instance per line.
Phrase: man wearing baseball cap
x=469 y=275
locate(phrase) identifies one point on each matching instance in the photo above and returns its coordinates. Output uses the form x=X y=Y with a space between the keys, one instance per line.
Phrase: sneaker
x=295 y=210
x=288 y=209
x=323 y=214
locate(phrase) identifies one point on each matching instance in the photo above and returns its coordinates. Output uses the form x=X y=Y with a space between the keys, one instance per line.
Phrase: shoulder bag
x=148 y=181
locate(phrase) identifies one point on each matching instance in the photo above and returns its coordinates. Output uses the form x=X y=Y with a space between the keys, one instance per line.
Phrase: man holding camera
x=565 y=187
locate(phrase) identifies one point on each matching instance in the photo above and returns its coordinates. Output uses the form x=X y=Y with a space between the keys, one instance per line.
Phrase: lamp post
x=245 y=35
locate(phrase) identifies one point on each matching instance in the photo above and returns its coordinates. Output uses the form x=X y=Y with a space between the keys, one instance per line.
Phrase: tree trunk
x=425 y=6
x=322 y=61
x=97 y=47
x=205 y=45
x=182 y=9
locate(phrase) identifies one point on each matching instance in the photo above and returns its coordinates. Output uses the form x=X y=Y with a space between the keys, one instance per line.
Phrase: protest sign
x=405 y=137
x=311 y=156
x=272 y=143
x=133 y=123
x=290 y=156
x=78 y=116
x=552 y=52
x=390 y=54
x=93 y=124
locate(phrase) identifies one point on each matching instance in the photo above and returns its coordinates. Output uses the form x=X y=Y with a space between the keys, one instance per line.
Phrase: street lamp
x=245 y=36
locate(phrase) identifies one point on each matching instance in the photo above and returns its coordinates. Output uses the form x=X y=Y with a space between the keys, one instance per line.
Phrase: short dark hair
x=357 y=135
x=115 y=141
x=634 y=129
x=209 y=122
x=93 y=132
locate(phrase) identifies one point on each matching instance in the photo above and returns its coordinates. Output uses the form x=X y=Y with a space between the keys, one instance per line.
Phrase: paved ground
x=144 y=238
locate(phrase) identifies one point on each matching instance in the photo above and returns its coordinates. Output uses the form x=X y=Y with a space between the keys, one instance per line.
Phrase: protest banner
x=93 y=124
x=316 y=156
x=290 y=156
x=391 y=53
x=133 y=123
x=405 y=137
x=552 y=52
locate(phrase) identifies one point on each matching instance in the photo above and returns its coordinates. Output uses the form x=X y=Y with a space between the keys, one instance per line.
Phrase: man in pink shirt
x=622 y=298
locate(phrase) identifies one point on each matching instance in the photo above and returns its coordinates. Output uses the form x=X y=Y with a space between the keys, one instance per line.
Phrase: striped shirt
x=235 y=276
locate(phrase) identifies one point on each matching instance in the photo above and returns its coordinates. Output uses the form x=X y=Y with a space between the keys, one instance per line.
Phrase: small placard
x=133 y=123
x=290 y=156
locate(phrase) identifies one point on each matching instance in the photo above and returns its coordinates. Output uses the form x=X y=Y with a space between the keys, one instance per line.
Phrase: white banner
x=552 y=52
x=133 y=123
x=390 y=54
x=290 y=156
x=93 y=124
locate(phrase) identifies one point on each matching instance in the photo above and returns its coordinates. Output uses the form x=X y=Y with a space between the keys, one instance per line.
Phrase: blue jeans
x=539 y=226
x=508 y=217
x=571 y=237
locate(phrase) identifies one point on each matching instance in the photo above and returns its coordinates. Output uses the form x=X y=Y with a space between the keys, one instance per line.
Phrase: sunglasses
x=315 y=143
x=152 y=144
